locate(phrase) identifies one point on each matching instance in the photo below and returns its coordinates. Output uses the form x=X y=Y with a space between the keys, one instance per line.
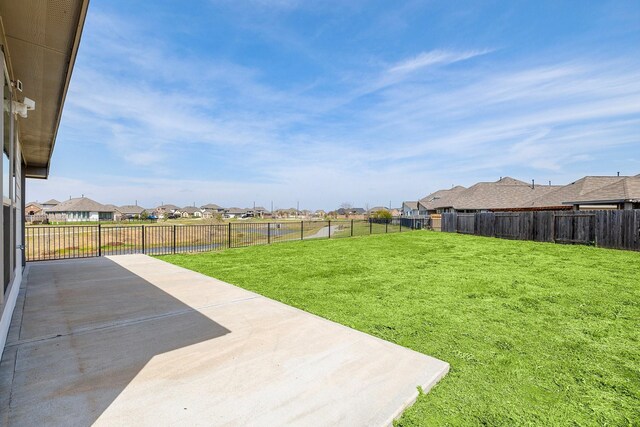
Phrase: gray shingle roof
x=410 y=205
x=168 y=207
x=131 y=209
x=211 y=206
x=51 y=202
x=622 y=190
x=81 y=204
x=506 y=193
x=574 y=191
x=440 y=197
x=189 y=209
x=235 y=210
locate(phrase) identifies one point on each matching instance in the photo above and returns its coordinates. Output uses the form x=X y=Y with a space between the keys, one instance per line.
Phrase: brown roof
x=51 y=202
x=440 y=197
x=506 y=193
x=624 y=189
x=131 y=209
x=573 y=191
x=80 y=204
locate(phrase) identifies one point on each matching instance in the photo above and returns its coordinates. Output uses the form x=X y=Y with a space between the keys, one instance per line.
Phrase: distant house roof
x=440 y=197
x=212 y=206
x=131 y=209
x=51 y=202
x=167 y=207
x=81 y=204
x=112 y=208
x=189 y=209
x=259 y=209
x=626 y=189
x=34 y=204
x=506 y=193
x=235 y=210
x=377 y=208
x=410 y=205
x=573 y=191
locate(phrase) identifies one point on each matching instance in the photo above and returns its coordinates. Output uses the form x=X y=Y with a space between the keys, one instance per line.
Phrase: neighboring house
x=33 y=208
x=410 y=209
x=502 y=195
x=132 y=211
x=351 y=212
x=427 y=205
x=259 y=212
x=212 y=207
x=286 y=213
x=81 y=209
x=163 y=210
x=319 y=213
x=117 y=215
x=208 y=213
x=49 y=204
x=622 y=194
x=377 y=209
x=556 y=200
x=189 y=212
x=234 y=212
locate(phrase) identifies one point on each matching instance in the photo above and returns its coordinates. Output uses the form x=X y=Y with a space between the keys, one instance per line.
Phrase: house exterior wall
x=81 y=216
x=12 y=212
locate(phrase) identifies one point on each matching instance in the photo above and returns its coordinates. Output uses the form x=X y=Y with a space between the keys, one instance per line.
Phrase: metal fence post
x=268 y=233
x=351 y=228
x=329 y=228
x=400 y=221
x=370 y=226
x=302 y=230
x=99 y=240
x=386 y=226
x=229 y=236
x=174 y=239
x=142 y=226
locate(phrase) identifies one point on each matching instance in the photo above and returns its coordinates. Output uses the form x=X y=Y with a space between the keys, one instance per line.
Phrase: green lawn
x=536 y=333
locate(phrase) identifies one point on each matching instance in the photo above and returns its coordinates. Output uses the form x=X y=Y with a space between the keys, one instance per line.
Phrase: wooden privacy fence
x=616 y=229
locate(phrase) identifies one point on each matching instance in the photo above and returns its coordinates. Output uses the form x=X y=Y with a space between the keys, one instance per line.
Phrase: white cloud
x=434 y=57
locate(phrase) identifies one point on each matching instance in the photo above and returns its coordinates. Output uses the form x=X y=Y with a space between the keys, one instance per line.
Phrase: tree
x=382 y=214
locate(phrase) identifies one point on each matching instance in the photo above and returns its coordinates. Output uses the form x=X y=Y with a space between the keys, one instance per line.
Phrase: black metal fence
x=616 y=229
x=85 y=241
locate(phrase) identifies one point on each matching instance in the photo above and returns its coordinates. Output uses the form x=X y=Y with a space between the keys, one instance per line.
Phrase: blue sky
x=235 y=102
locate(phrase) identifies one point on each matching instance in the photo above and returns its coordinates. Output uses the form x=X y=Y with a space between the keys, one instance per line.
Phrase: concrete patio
x=133 y=340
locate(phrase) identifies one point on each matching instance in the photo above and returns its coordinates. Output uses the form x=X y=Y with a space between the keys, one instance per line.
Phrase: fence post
x=99 y=240
x=386 y=226
x=229 y=236
x=302 y=230
x=329 y=228
x=174 y=239
x=142 y=226
x=370 y=226
x=352 y=228
x=400 y=221
x=268 y=233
